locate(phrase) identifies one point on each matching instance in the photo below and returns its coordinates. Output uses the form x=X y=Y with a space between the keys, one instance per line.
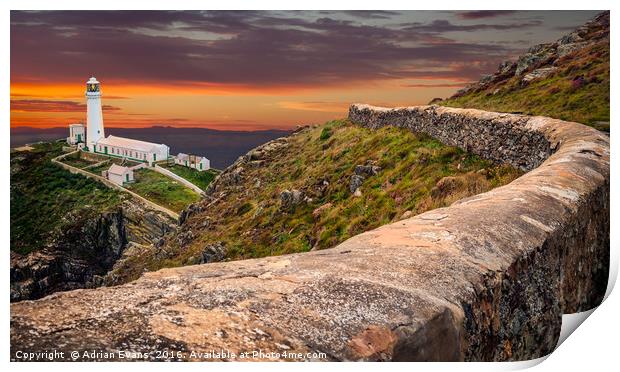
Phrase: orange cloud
x=316 y=106
x=231 y=107
x=123 y=90
x=41 y=105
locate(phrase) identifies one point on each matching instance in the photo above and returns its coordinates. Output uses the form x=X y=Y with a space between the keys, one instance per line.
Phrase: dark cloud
x=253 y=48
x=477 y=14
x=104 y=18
x=36 y=105
x=371 y=14
x=441 y=25
x=566 y=29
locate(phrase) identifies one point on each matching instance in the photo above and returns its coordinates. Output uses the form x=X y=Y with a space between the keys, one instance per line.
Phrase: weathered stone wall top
x=487 y=278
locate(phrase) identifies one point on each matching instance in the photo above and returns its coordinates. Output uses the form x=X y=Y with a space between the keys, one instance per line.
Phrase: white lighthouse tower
x=94 y=119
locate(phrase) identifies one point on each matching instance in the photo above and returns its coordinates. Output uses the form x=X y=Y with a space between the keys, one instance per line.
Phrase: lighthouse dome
x=92 y=80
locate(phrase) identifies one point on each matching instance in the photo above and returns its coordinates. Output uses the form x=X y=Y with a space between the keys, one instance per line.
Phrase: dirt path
x=112 y=185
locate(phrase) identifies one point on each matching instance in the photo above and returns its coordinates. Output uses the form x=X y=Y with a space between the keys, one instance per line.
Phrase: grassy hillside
x=43 y=194
x=200 y=179
x=249 y=218
x=162 y=190
x=567 y=79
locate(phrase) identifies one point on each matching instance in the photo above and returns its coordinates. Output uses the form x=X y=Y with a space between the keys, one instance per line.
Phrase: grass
x=418 y=174
x=105 y=166
x=82 y=160
x=556 y=95
x=162 y=190
x=325 y=133
x=46 y=198
x=151 y=185
x=200 y=179
x=77 y=160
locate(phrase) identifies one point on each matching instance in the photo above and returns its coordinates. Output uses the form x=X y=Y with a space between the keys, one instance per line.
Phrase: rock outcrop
x=487 y=278
x=213 y=253
x=81 y=256
x=355 y=182
x=290 y=198
x=360 y=173
x=539 y=74
x=255 y=158
x=541 y=60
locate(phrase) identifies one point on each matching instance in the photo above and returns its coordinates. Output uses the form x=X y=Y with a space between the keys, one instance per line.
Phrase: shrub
x=244 y=208
x=325 y=134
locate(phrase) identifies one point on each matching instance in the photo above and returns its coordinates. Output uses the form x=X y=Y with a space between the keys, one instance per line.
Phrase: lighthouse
x=112 y=146
x=94 y=118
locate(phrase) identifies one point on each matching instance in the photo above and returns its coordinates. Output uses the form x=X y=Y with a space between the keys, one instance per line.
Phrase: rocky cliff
x=81 y=255
x=73 y=259
x=68 y=231
x=486 y=278
x=567 y=79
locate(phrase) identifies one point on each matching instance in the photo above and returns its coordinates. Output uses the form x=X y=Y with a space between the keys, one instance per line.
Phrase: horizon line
x=172 y=127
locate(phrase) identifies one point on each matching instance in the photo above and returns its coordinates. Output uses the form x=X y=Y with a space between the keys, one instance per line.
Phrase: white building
x=76 y=134
x=182 y=159
x=97 y=142
x=203 y=164
x=200 y=163
x=119 y=174
x=94 y=114
x=132 y=149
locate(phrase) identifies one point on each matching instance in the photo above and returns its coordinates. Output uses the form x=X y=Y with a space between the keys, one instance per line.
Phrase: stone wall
x=487 y=278
x=175 y=176
x=497 y=137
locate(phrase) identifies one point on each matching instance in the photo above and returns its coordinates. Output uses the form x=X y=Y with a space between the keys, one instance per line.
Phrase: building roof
x=118 y=169
x=128 y=143
x=76 y=125
x=183 y=156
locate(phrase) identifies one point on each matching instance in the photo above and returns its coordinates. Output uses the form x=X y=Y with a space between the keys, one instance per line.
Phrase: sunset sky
x=256 y=70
